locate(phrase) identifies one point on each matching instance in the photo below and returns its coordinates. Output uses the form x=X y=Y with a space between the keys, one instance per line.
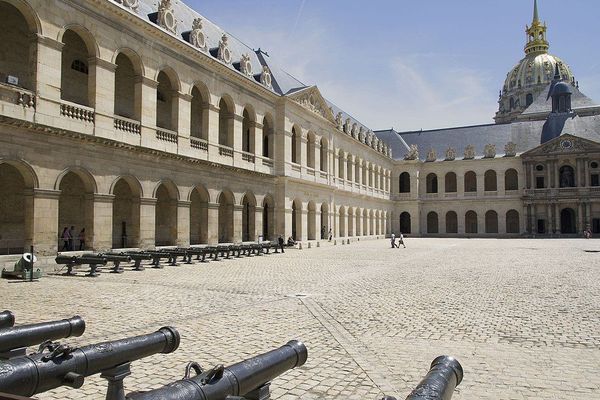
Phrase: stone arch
x=165 y=216
x=199 y=111
x=324 y=221
x=471 y=222
x=311 y=147
x=134 y=57
x=86 y=36
x=296 y=144
x=490 y=181
x=341 y=164
x=20 y=24
x=568 y=222
x=511 y=179
x=226 y=120
x=128 y=100
x=248 y=127
x=127 y=192
x=226 y=202
x=199 y=199
x=513 y=225
x=432 y=222
x=87 y=178
x=470 y=182
x=432 y=183
x=404 y=183
x=451 y=222
x=491 y=222
x=349 y=164
x=323 y=155
x=405 y=223
x=268 y=217
x=312 y=220
x=567 y=176
x=268 y=137
x=167 y=103
x=17 y=181
x=77 y=80
x=76 y=207
x=297 y=220
x=450 y=182
x=248 y=204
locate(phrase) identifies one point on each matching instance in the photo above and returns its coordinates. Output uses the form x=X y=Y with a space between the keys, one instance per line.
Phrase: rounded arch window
x=539 y=167
x=594 y=164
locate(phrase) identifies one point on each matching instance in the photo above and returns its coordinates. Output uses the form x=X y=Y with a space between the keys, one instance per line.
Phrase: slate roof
x=543 y=103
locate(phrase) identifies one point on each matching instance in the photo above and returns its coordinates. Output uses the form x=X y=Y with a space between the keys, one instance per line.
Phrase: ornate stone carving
x=312 y=100
x=510 y=150
x=361 y=134
x=431 y=155
x=469 y=152
x=265 y=77
x=339 y=123
x=166 y=17
x=246 y=65
x=450 y=154
x=368 y=139
x=347 y=127
x=197 y=37
x=224 y=52
x=132 y=4
x=354 y=130
x=390 y=152
x=489 y=151
x=374 y=141
x=413 y=153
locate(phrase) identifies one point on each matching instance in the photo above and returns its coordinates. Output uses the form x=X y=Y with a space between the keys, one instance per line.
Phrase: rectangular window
x=539 y=182
x=541 y=226
x=595 y=181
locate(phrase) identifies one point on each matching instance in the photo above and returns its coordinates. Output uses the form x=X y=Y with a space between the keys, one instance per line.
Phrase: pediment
x=311 y=99
x=564 y=144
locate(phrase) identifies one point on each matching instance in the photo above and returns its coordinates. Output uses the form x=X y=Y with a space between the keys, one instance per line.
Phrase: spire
x=536 y=34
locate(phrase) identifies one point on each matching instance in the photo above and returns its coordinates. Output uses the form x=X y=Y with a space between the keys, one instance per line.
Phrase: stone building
x=148 y=125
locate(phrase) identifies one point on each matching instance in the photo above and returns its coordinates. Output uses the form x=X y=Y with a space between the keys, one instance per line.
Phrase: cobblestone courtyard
x=522 y=316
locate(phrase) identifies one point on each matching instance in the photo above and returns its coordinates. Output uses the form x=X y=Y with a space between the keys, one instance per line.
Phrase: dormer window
x=80 y=66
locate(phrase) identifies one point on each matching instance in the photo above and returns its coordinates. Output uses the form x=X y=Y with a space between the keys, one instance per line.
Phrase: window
x=595 y=180
x=529 y=99
x=160 y=97
x=80 y=66
x=539 y=182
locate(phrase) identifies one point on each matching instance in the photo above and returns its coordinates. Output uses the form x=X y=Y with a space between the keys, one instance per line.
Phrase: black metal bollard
x=443 y=377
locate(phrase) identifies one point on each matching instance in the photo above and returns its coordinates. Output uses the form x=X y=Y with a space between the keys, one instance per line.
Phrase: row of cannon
x=54 y=365
x=171 y=255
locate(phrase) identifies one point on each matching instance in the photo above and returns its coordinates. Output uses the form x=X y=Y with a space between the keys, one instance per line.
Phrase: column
x=336 y=223
x=303 y=152
x=45 y=221
x=212 y=113
x=213 y=223
x=48 y=70
x=480 y=185
x=317 y=155
x=580 y=219
x=303 y=223
x=147 y=88
x=531 y=175
x=147 y=223
x=586 y=172
x=101 y=239
x=501 y=184
x=236 y=126
x=258 y=223
x=183 y=223
x=237 y=222
x=102 y=78
x=556 y=174
x=549 y=219
x=258 y=139
x=552 y=168
x=183 y=115
x=527 y=217
x=288 y=223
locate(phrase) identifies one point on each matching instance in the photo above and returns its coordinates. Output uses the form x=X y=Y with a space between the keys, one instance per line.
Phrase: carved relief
x=312 y=100
x=450 y=154
x=197 y=37
x=354 y=130
x=361 y=134
x=347 y=126
x=224 y=52
x=132 y=4
x=338 y=121
x=431 y=155
x=265 y=77
x=413 y=153
x=489 y=151
x=246 y=65
x=166 y=17
x=469 y=152
x=510 y=150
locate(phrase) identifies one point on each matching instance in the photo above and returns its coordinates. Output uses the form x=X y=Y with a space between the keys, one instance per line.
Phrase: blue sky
x=411 y=64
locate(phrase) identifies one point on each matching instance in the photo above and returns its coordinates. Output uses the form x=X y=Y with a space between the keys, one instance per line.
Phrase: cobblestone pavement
x=522 y=316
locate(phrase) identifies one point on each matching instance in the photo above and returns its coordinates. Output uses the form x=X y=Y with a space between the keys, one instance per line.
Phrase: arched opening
x=226 y=113
x=349 y=172
x=356 y=170
x=471 y=222
x=127 y=103
x=166 y=215
x=268 y=218
x=405 y=223
x=371 y=223
x=512 y=222
x=126 y=214
x=295 y=146
x=365 y=222
x=511 y=180
x=567 y=176
x=529 y=99
x=199 y=216
x=567 y=221
x=324 y=221
x=432 y=183
x=491 y=222
x=16 y=212
x=341 y=164
x=166 y=102
x=312 y=221
x=432 y=222
x=342 y=222
x=247 y=132
x=75 y=211
x=450 y=182
x=16 y=33
x=365 y=171
x=248 y=218
x=512 y=103
x=451 y=222
x=76 y=82
x=226 y=202
x=323 y=155
x=297 y=220
x=378 y=222
x=490 y=182
x=310 y=150
x=350 y=222
x=470 y=182
x=267 y=135
x=198 y=119
x=404 y=183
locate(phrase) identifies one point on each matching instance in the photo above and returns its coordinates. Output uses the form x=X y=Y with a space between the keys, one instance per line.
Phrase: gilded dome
x=535 y=70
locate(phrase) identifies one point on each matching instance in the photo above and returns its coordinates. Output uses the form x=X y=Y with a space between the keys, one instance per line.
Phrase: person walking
x=330 y=234
x=71 y=234
x=401 y=241
x=65 y=238
x=393 y=240
x=82 y=240
x=280 y=242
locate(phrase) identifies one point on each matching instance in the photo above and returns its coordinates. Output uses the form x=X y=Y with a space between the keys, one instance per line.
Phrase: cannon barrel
x=7 y=319
x=27 y=376
x=443 y=377
x=236 y=380
x=29 y=335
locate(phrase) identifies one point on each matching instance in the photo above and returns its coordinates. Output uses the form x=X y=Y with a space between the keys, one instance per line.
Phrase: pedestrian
x=401 y=241
x=280 y=241
x=71 y=234
x=65 y=238
x=82 y=240
x=330 y=234
x=393 y=240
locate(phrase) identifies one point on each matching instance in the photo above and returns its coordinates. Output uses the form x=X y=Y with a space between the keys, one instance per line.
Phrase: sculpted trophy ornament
x=347 y=126
x=431 y=155
x=338 y=121
x=132 y=4
x=469 y=152
x=354 y=130
x=197 y=37
x=510 y=150
x=489 y=151
x=166 y=17
x=450 y=154
x=246 y=65
x=361 y=134
x=265 y=77
x=413 y=153
x=224 y=52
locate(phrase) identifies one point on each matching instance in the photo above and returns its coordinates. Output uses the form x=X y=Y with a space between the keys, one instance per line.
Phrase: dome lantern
x=537 y=42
